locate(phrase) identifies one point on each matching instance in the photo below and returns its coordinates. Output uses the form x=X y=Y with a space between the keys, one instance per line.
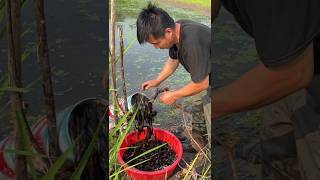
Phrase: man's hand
x=169 y=97
x=170 y=66
x=150 y=84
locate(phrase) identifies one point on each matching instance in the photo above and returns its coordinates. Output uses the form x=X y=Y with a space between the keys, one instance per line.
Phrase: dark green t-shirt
x=282 y=29
x=194 y=52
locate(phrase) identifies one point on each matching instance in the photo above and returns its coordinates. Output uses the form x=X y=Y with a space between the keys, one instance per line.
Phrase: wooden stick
x=14 y=67
x=43 y=60
x=124 y=90
x=113 y=60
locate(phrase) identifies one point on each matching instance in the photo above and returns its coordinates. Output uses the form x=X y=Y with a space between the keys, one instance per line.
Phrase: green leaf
x=58 y=164
x=191 y=166
x=204 y=174
x=118 y=172
x=25 y=153
x=114 y=150
x=14 y=89
x=122 y=120
x=125 y=50
x=129 y=45
x=25 y=140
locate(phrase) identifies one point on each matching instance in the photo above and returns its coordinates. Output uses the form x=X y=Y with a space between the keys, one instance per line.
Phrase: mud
x=157 y=159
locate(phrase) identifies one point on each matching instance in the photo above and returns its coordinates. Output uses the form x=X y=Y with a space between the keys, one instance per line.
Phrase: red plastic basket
x=163 y=135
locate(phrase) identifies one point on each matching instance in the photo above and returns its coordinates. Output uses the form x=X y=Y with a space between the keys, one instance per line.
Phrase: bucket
x=65 y=124
x=163 y=135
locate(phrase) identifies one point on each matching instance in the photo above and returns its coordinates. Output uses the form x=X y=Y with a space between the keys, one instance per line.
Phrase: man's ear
x=168 y=30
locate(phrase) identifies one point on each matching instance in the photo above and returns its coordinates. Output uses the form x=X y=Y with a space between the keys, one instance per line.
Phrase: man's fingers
x=143 y=86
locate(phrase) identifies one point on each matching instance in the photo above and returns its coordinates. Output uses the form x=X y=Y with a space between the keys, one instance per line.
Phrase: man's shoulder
x=194 y=33
x=190 y=24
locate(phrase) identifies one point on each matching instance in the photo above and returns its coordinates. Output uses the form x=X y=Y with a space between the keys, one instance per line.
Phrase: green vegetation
x=204 y=3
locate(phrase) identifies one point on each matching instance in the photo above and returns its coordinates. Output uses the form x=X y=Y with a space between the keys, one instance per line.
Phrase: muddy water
x=77 y=43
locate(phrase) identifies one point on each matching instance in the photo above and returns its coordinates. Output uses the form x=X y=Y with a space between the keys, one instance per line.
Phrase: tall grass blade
x=130 y=45
x=25 y=153
x=118 y=126
x=204 y=174
x=13 y=89
x=58 y=164
x=191 y=166
x=125 y=50
x=147 y=152
x=118 y=172
x=114 y=150
x=27 y=145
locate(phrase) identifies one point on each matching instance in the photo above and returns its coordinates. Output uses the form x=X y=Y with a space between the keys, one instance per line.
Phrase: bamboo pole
x=43 y=60
x=14 y=68
x=124 y=90
x=113 y=59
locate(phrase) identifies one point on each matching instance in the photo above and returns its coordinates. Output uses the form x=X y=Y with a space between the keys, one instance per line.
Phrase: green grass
x=205 y=3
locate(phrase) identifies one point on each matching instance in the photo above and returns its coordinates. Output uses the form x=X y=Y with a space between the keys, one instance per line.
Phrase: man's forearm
x=262 y=86
x=249 y=92
x=168 y=69
x=193 y=88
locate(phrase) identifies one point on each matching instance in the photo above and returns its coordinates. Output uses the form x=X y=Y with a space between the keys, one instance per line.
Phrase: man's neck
x=177 y=34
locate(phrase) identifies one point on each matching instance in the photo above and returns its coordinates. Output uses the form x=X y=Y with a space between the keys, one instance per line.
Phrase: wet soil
x=157 y=159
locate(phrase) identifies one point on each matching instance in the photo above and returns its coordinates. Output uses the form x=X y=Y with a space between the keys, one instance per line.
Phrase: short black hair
x=152 y=21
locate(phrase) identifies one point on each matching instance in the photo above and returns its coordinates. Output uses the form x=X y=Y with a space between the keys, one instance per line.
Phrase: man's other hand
x=150 y=84
x=169 y=97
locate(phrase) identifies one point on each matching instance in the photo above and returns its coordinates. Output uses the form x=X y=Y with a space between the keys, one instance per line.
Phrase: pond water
x=77 y=40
